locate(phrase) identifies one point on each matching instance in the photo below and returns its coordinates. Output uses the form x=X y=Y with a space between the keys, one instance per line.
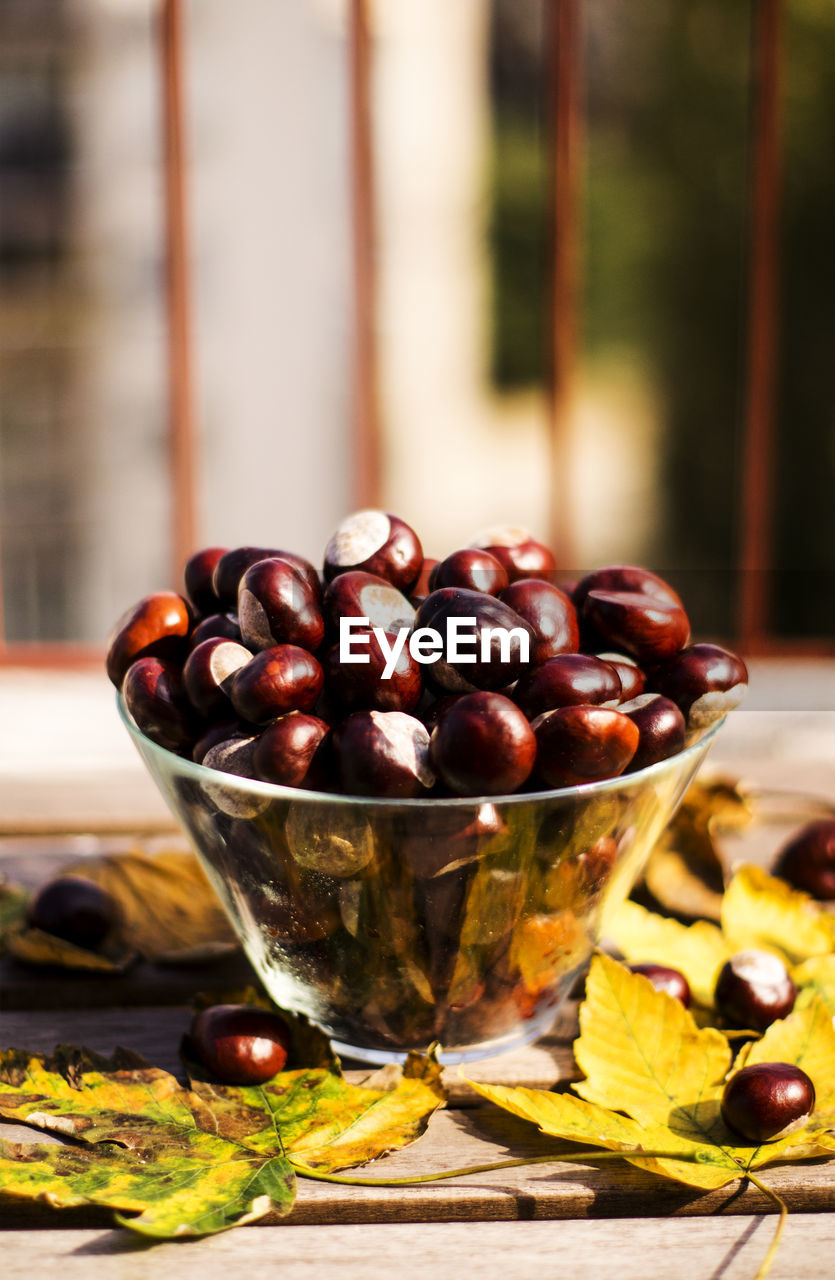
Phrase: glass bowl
x=395 y=923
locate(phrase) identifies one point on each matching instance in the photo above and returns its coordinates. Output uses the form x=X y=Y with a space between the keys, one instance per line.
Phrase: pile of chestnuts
x=247 y=670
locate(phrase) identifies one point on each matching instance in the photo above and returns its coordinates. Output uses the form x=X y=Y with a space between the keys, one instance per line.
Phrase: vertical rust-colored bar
x=564 y=74
x=181 y=431
x=367 y=450
x=758 y=443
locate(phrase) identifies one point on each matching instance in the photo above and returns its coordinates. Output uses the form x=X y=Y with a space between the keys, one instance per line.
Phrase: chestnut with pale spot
x=383 y=753
x=276 y=605
x=664 y=978
x=522 y=555
x=754 y=989
x=705 y=681
x=357 y=594
x=208 y=673
x=284 y=678
x=379 y=543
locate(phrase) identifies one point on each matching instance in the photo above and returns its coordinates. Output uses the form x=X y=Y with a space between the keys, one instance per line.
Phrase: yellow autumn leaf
x=698 y=950
x=643 y=1054
x=758 y=910
x=815 y=978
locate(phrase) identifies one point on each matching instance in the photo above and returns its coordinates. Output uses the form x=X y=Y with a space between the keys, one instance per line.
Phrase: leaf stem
x=765 y=1265
x=579 y=1157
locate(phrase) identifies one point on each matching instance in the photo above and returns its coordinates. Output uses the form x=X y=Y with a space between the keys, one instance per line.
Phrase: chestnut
x=483 y=745
x=666 y=979
x=807 y=861
x=473 y=568
x=294 y=751
x=277 y=606
x=379 y=543
x=753 y=990
x=340 y=847
x=223 y=625
x=767 y=1100
x=208 y=672
x=220 y=731
x=234 y=754
x=198 y=579
x=518 y=550
x=583 y=744
x=383 y=753
x=551 y=614
x=660 y=725
x=633 y=680
x=647 y=627
x=705 y=681
x=493 y=644
x=376 y=684
x=356 y=594
x=156 y=699
x=75 y=909
x=284 y=678
x=232 y=566
x=239 y=1043
x=625 y=577
x=570 y=679
x=155 y=627
x=450 y=839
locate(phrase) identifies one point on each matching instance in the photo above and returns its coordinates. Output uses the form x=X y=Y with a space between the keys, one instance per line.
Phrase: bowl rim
x=253 y=786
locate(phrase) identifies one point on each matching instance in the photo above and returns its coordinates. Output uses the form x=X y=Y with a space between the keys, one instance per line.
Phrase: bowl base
x=531 y=1031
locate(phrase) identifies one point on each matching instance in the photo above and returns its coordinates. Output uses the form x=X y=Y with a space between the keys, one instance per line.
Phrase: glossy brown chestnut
x=504 y=656
x=647 y=627
x=75 y=909
x=483 y=745
x=570 y=679
x=660 y=725
x=473 y=568
x=240 y=1044
x=383 y=753
x=220 y=731
x=625 y=577
x=284 y=678
x=666 y=979
x=276 y=605
x=522 y=555
x=767 y=1100
x=208 y=673
x=582 y=744
x=633 y=680
x=156 y=699
x=155 y=627
x=361 y=686
x=551 y=614
x=356 y=594
x=198 y=580
x=232 y=566
x=379 y=543
x=753 y=990
x=295 y=751
x=705 y=681
x=221 y=625
x=807 y=861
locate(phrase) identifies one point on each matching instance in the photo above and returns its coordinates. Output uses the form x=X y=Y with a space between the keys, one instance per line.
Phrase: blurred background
x=638 y=453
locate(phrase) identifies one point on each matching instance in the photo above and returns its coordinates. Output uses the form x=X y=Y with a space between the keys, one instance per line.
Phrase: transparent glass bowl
x=395 y=923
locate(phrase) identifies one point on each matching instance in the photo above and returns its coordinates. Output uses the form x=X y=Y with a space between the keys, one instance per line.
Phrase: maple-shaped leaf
x=697 y=950
x=644 y=1055
x=324 y=1122
x=151 y=1147
x=759 y=910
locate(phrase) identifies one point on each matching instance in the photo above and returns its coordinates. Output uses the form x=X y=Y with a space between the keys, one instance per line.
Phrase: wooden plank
x=730 y=1248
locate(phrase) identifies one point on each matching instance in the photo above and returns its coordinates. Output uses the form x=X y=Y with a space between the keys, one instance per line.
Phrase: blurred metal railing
x=565 y=75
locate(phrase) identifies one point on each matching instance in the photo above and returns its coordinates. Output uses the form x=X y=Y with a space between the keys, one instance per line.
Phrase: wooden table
x=582 y=1221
